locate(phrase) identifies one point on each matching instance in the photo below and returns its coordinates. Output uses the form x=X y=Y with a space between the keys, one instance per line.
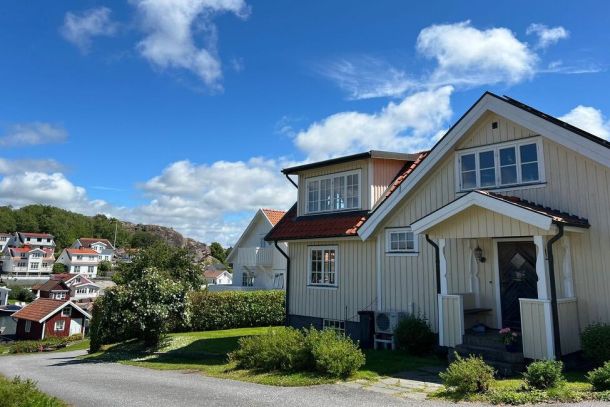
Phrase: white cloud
x=466 y=55
x=80 y=28
x=27 y=134
x=589 y=119
x=547 y=35
x=408 y=126
x=18 y=166
x=171 y=27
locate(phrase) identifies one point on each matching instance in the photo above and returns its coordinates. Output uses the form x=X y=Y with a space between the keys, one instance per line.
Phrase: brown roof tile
x=39 y=309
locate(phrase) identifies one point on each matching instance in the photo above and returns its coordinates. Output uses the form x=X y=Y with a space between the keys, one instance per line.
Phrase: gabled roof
x=72 y=251
x=88 y=241
x=51 y=285
x=41 y=235
x=546 y=125
x=214 y=273
x=389 y=155
x=43 y=308
x=273 y=215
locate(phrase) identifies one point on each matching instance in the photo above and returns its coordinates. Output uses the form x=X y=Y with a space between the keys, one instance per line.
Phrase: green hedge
x=235 y=309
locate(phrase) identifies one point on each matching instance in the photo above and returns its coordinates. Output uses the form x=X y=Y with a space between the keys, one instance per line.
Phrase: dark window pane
x=488 y=177
x=469 y=180
x=486 y=159
x=507 y=156
x=508 y=175
x=468 y=162
x=529 y=172
x=528 y=153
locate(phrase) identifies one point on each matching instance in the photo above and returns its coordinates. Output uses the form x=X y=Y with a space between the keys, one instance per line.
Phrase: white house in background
x=4 y=239
x=4 y=295
x=27 y=262
x=33 y=240
x=103 y=247
x=257 y=264
x=80 y=261
x=217 y=277
x=82 y=288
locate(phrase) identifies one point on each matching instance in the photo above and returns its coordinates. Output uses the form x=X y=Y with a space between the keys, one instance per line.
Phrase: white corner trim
x=503 y=108
x=484 y=201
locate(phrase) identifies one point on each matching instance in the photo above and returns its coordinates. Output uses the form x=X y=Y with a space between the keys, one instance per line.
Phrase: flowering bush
x=508 y=336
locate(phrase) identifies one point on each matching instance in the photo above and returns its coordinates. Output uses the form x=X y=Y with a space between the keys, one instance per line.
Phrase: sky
x=183 y=112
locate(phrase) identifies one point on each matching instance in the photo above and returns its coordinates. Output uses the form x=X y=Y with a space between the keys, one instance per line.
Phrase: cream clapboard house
x=505 y=222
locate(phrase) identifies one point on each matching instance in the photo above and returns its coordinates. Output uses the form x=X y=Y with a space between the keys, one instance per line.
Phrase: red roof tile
x=213 y=273
x=39 y=309
x=81 y=251
x=558 y=216
x=274 y=215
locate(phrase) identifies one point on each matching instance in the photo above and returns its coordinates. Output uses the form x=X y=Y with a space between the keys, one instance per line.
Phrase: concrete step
x=490 y=354
x=484 y=340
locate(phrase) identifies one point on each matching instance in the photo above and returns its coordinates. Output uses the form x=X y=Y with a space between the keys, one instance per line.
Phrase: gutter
x=287 y=288
x=554 y=307
x=291 y=181
x=437 y=262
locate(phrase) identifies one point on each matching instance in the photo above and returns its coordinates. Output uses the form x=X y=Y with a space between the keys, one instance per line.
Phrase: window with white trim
x=334 y=324
x=66 y=312
x=335 y=192
x=401 y=241
x=59 y=325
x=323 y=266
x=501 y=165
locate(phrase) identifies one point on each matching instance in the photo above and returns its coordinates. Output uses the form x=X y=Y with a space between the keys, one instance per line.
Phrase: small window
x=401 y=241
x=333 y=192
x=334 y=324
x=247 y=280
x=66 y=312
x=323 y=266
x=28 y=326
x=278 y=280
x=59 y=325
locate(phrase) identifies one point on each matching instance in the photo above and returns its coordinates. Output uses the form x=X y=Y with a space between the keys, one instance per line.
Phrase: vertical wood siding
x=534 y=329
x=568 y=319
x=384 y=172
x=452 y=312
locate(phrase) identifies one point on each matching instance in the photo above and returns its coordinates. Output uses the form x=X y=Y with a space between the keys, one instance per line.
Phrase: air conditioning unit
x=386 y=321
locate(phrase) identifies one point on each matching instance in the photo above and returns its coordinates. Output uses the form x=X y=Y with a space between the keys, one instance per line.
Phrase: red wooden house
x=49 y=317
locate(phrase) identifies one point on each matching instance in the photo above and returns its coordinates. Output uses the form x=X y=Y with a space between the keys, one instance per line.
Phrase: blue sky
x=183 y=112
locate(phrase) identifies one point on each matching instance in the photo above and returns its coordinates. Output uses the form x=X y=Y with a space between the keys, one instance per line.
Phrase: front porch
x=517 y=274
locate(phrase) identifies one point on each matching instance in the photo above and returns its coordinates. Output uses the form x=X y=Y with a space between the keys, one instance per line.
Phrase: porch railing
x=451 y=316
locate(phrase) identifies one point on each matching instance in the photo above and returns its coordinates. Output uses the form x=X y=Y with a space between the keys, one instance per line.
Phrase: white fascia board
x=477 y=199
x=258 y=213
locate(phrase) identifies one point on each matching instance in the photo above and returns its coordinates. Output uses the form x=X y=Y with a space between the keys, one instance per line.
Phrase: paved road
x=109 y=384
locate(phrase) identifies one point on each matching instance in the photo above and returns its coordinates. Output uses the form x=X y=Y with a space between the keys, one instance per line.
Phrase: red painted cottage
x=49 y=317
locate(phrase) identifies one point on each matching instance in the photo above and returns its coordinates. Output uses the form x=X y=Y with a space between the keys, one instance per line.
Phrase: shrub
x=600 y=378
x=278 y=349
x=414 y=335
x=595 y=339
x=334 y=354
x=544 y=374
x=17 y=392
x=37 y=346
x=470 y=375
x=226 y=310
x=21 y=294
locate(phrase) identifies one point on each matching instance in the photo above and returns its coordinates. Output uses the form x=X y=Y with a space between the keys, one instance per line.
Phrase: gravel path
x=109 y=384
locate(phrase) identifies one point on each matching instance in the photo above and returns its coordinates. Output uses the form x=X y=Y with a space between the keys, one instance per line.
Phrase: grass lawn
x=18 y=392
x=206 y=352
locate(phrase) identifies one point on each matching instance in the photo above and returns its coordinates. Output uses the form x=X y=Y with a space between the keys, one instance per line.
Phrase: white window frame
x=63 y=312
x=331 y=177
x=336 y=271
x=496 y=149
x=388 y=240
x=334 y=324
x=61 y=322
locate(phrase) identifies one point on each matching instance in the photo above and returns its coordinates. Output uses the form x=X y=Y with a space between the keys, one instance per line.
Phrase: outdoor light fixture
x=478 y=255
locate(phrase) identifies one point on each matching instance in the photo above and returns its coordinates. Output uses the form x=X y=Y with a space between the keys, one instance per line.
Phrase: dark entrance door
x=518 y=279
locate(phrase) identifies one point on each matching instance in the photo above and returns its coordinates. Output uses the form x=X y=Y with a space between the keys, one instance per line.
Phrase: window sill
x=506 y=187
x=323 y=286
x=332 y=212
x=402 y=254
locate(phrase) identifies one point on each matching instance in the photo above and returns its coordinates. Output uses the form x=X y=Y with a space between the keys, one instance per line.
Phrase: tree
x=144 y=239
x=59 y=268
x=218 y=252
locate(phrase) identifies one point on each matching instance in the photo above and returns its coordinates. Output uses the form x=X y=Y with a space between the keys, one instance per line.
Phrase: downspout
x=291 y=181
x=554 y=307
x=437 y=262
x=287 y=297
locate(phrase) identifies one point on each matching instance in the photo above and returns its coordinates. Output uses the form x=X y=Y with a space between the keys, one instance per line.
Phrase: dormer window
x=501 y=165
x=335 y=192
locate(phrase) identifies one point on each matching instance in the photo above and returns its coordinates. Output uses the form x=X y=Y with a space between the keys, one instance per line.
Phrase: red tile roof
x=558 y=216
x=274 y=215
x=213 y=273
x=88 y=241
x=338 y=224
x=81 y=251
x=39 y=309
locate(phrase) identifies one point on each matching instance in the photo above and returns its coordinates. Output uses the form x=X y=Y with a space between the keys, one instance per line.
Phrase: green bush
x=470 y=375
x=414 y=336
x=544 y=374
x=37 y=346
x=23 y=393
x=19 y=293
x=226 y=310
x=595 y=339
x=281 y=349
x=334 y=354
x=600 y=378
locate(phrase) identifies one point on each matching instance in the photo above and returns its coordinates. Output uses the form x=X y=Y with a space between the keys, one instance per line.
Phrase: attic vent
x=494 y=125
